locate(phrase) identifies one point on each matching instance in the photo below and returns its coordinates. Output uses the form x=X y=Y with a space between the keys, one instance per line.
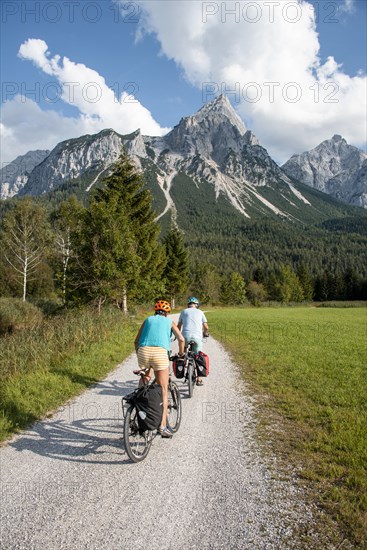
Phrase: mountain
x=334 y=167
x=14 y=175
x=238 y=209
x=209 y=150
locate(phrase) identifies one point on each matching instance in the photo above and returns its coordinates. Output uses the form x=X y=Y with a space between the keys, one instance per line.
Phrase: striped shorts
x=153 y=357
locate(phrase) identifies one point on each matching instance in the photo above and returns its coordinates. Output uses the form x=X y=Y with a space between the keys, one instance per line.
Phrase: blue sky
x=164 y=52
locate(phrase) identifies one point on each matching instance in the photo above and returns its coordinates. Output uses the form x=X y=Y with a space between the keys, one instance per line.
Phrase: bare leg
x=162 y=377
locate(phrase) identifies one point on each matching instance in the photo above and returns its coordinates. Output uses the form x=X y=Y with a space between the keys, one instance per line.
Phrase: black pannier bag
x=202 y=364
x=148 y=401
x=178 y=365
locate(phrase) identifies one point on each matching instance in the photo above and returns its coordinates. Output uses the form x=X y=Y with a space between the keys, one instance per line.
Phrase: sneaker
x=164 y=432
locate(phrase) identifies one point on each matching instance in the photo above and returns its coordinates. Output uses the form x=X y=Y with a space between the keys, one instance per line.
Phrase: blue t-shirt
x=156 y=332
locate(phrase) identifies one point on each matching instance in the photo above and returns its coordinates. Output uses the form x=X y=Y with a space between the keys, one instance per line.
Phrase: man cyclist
x=193 y=323
x=152 y=345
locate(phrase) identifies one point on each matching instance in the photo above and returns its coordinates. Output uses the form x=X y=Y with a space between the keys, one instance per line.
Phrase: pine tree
x=108 y=259
x=258 y=275
x=137 y=201
x=351 y=283
x=320 y=288
x=177 y=268
x=121 y=237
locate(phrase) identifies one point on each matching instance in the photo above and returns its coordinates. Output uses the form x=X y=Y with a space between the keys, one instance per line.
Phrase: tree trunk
x=67 y=250
x=124 y=300
x=173 y=304
x=25 y=278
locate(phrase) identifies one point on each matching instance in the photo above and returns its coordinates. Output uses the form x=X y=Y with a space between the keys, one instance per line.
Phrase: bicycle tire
x=137 y=444
x=174 y=412
x=190 y=377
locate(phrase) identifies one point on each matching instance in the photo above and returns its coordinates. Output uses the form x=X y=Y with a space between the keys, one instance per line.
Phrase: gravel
x=67 y=483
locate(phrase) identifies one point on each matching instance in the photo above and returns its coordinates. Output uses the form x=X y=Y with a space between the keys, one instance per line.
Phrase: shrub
x=16 y=314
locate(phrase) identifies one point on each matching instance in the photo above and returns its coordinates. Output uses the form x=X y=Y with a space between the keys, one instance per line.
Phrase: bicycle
x=190 y=367
x=190 y=371
x=187 y=363
x=138 y=443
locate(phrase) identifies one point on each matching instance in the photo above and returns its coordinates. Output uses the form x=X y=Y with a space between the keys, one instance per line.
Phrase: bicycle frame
x=190 y=367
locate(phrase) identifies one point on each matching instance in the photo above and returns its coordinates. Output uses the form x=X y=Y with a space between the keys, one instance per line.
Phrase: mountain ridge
x=212 y=145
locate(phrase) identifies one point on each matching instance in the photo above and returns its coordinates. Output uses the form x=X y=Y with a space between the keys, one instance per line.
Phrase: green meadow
x=44 y=365
x=309 y=369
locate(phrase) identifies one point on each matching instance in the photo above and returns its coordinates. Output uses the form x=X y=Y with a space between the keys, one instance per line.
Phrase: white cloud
x=26 y=126
x=267 y=54
x=347 y=6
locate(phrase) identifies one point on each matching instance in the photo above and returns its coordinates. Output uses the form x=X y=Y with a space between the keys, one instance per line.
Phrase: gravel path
x=67 y=483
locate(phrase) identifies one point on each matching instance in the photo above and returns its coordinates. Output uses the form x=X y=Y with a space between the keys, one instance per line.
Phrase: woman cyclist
x=152 y=345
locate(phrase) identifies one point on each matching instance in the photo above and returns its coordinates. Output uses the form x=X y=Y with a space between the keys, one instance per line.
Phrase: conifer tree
x=129 y=185
x=177 y=268
x=121 y=238
x=350 y=280
x=108 y=259
x=321 y=288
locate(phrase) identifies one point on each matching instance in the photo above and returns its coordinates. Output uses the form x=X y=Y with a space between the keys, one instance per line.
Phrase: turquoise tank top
x=156 y=332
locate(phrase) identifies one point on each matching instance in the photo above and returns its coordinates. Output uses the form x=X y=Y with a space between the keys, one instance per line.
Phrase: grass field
x=310 y=365
x=43 y=366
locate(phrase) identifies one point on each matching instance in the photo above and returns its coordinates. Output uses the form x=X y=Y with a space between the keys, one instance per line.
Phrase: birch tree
x=25 y=236
x=67 y=223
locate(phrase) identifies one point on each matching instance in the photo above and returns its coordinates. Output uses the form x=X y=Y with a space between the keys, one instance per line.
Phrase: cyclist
x=152 y=345
x=193 y=324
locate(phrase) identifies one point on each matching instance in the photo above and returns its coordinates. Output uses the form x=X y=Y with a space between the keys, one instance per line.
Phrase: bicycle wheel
x=137 y=444
x=174 y=407
x=190 y=377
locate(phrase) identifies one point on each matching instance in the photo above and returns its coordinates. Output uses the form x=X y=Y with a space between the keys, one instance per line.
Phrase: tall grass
x=312 y=366
x=43 y=366
x=16 y=314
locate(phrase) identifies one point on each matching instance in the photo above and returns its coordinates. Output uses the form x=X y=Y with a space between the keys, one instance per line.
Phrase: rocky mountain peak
x=220 y=109
x=14 y=176
x=210 y=132
x=334 y=167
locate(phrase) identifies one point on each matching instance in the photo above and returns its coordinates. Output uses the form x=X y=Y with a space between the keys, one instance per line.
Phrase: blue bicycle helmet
x=193 y=300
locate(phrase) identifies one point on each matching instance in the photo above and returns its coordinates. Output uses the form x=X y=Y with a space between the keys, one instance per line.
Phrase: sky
x=294 y=70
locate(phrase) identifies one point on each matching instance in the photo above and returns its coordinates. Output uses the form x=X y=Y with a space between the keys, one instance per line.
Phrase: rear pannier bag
x=148 y=401
x=178 y=365
x=202 y=364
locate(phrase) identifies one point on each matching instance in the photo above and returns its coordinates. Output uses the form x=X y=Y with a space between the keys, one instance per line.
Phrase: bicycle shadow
x=84 y=433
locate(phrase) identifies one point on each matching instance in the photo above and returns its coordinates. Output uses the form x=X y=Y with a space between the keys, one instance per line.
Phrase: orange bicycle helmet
x=162 y=305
